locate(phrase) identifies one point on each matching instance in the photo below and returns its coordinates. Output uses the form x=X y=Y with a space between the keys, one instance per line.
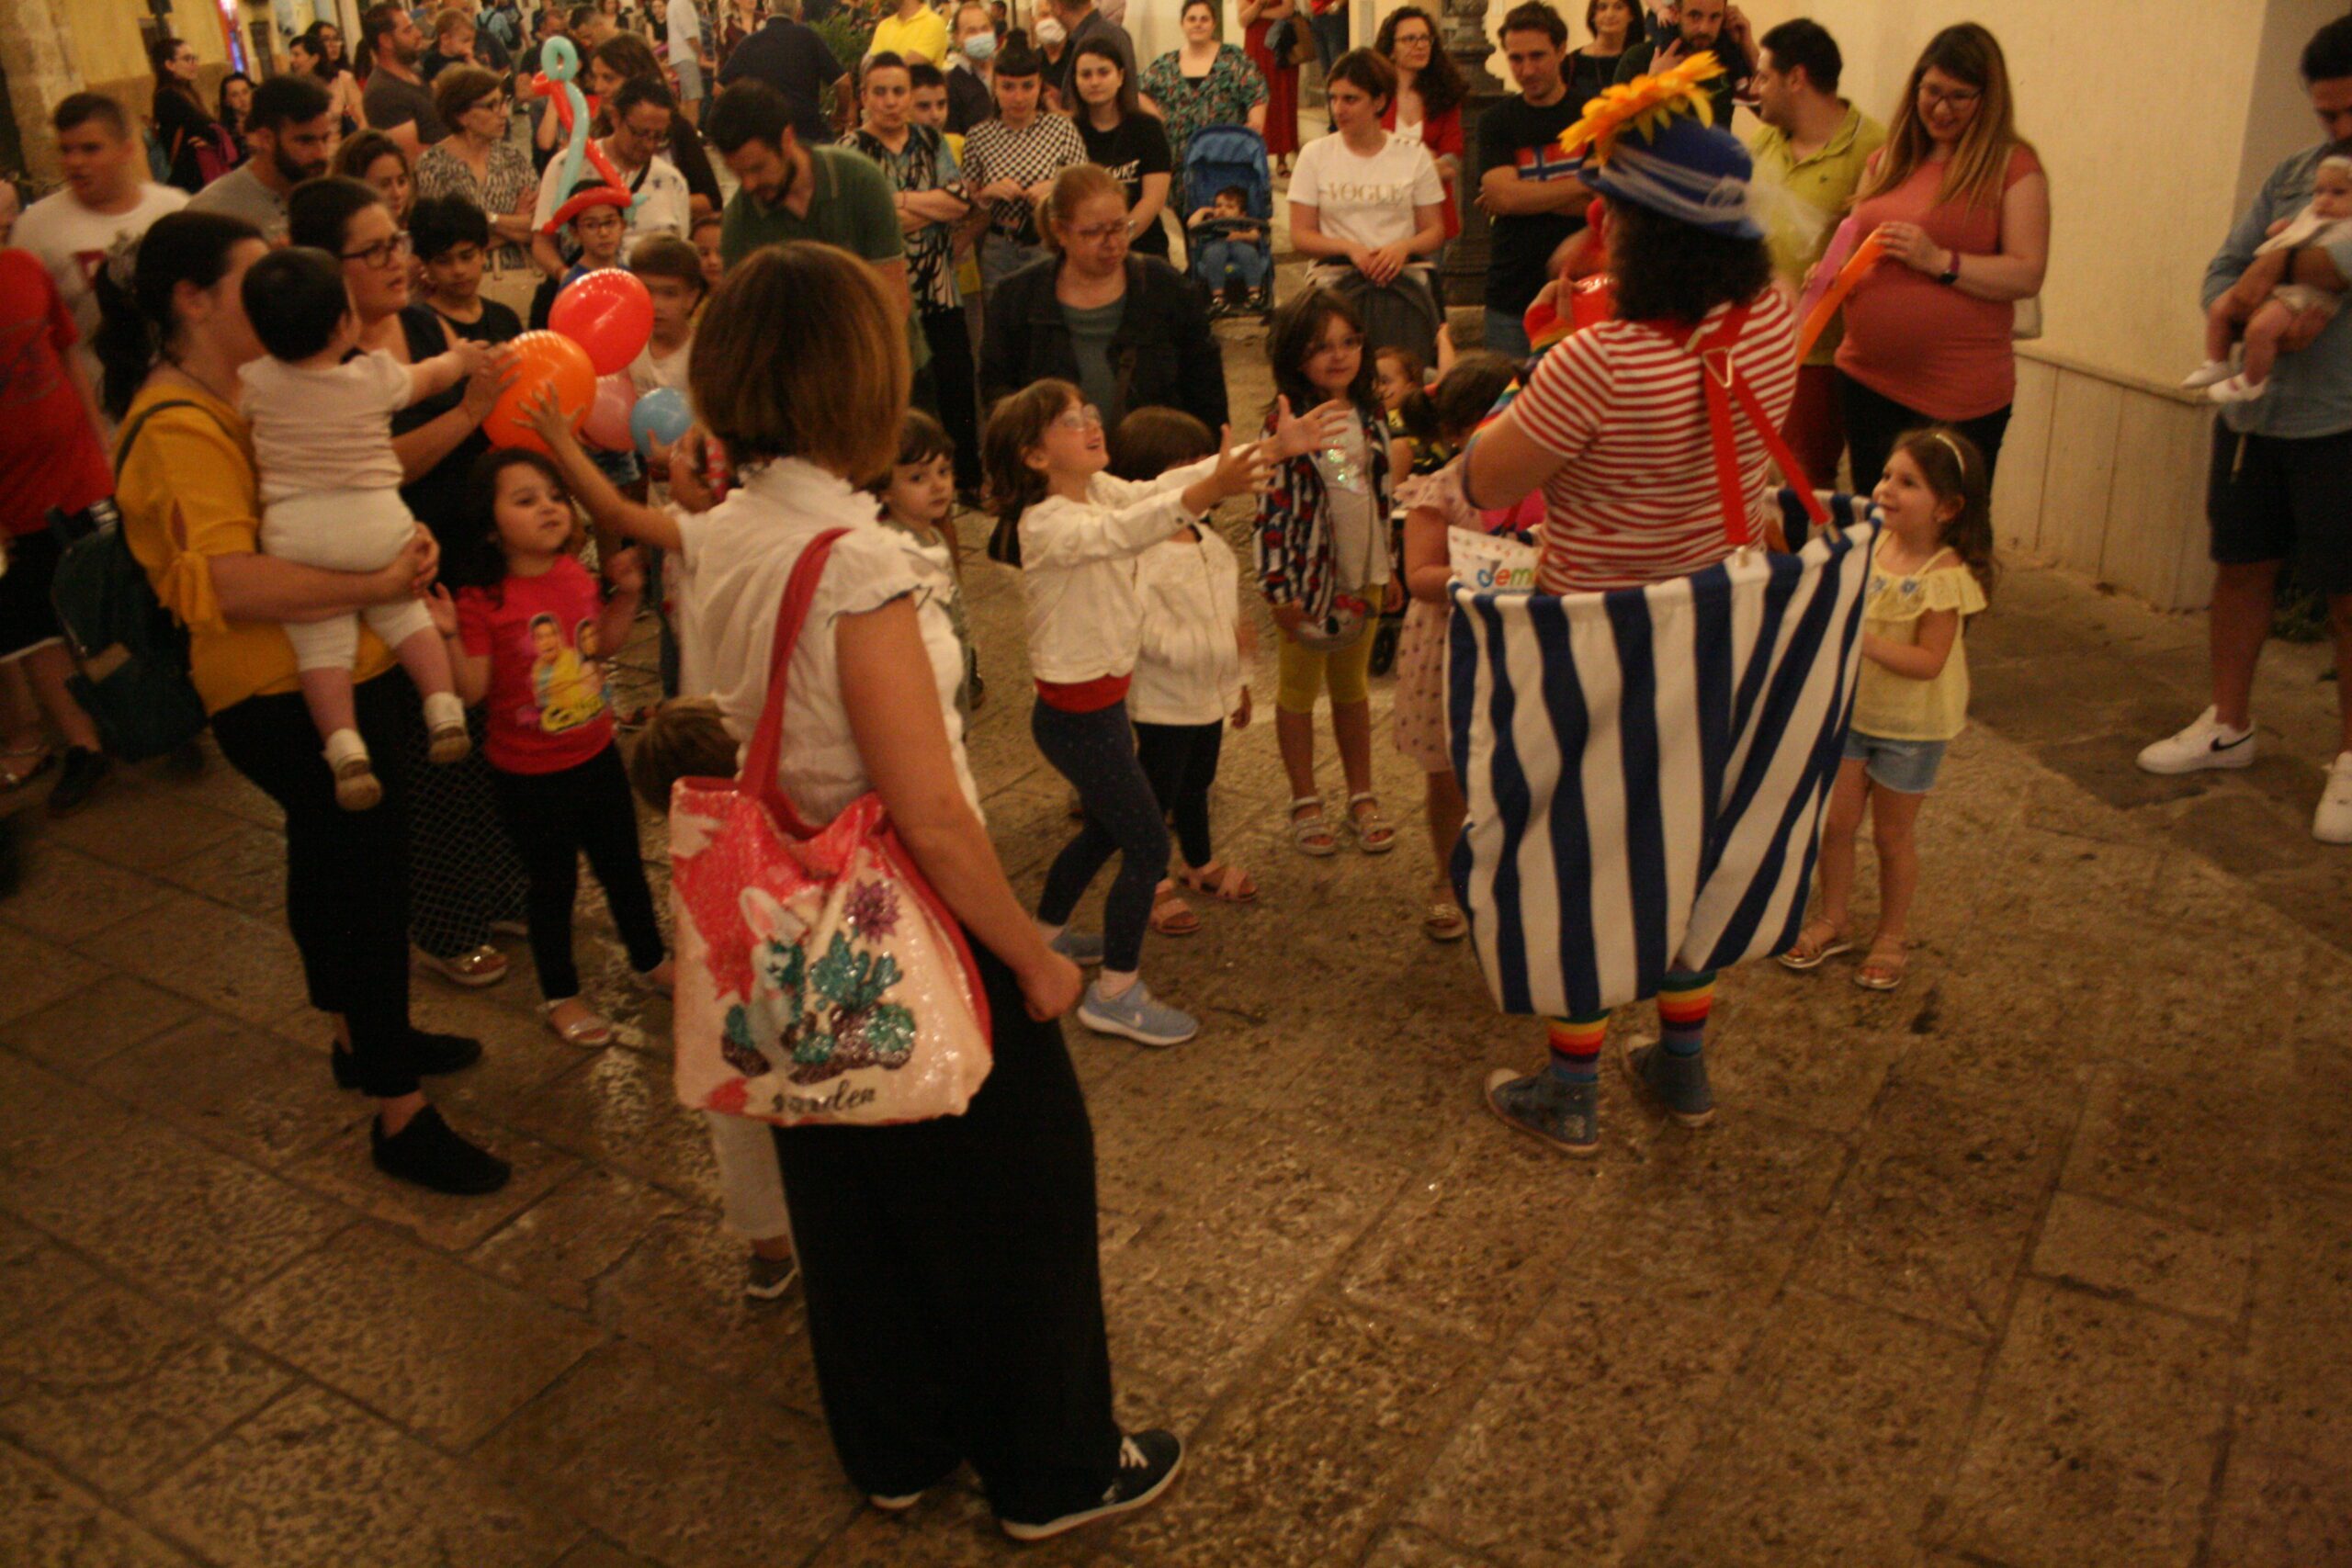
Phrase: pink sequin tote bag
x=821 y=981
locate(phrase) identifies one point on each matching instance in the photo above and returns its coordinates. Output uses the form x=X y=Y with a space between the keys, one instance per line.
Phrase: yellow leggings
x=1304 y=668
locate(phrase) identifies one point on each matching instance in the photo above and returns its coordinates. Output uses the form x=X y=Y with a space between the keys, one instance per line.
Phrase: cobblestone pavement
x=2044 y=1259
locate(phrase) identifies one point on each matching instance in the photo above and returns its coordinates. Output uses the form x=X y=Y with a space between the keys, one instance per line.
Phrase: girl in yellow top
x=1933 y=567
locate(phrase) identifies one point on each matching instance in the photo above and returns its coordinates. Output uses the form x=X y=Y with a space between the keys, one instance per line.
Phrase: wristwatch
x=1950 y=275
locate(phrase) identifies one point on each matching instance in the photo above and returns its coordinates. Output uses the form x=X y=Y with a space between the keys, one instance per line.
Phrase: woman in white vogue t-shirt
x=1361 y=197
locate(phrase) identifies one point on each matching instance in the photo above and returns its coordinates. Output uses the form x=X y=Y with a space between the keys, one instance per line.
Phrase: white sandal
x=589 y=1032
x=1304 y=830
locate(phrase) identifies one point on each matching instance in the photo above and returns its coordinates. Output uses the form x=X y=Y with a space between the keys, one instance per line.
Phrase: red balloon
x=608 y=313
x=542 y=359
x=607 y=421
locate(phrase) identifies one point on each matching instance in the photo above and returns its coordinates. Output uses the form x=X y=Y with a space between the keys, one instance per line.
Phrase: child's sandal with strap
x=1312 y=835
x=1375 y=833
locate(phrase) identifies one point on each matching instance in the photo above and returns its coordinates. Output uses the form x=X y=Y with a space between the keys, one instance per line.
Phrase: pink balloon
x=609 y=314
x=607 y=421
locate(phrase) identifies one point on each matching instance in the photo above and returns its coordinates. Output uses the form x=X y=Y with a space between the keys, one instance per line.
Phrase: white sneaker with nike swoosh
x=2207 y=743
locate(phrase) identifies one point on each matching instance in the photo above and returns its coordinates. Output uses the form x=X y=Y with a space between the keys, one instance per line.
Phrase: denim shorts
x=1907 y=767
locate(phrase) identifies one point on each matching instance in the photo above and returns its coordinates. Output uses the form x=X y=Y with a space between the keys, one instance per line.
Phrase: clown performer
x=1620 y=433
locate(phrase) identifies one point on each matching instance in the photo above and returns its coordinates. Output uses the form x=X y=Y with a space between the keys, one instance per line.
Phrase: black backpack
x=129 y=654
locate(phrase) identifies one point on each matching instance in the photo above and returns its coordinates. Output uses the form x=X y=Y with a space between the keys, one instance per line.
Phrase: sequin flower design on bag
x=818 y=1021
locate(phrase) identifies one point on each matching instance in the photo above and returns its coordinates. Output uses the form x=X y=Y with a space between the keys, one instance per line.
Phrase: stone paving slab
x=2045 y=1258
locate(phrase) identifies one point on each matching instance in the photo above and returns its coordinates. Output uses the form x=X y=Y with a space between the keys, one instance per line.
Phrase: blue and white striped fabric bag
x=1646 y=768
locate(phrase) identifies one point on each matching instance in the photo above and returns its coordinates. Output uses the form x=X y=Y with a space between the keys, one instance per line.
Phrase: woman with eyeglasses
x=320 y=51
x=172 y=336
x=641 y=113
x=191 y=137
x=464 y=874
x=626 y=57
x=1959 y=201
x=1130 y=330
x=478 y=162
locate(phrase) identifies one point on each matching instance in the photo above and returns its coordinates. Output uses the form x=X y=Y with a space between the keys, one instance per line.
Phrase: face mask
x=1051 y=32
x=979 y=47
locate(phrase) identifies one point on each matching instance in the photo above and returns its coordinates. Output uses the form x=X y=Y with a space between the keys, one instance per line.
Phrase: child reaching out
x=1323 y=557
x=918 y=496
x=557 y=772
x=1224 y=240
x=1191 y=670
x=1434 y=505
x=330 y=491
x=1932 y=570
x=1075 y=532
x=2267 y=301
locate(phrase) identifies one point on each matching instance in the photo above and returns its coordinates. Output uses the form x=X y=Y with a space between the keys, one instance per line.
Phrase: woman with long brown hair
x=1427 y=105
x=190 y=135
x=1960 y=203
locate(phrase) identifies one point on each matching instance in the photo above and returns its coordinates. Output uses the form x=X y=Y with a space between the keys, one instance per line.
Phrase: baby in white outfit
x=2267 y=301
x=330 y=491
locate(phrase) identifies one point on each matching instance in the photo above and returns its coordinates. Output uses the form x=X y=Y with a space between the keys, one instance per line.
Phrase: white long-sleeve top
x=1189 y=671
x=1078 y=571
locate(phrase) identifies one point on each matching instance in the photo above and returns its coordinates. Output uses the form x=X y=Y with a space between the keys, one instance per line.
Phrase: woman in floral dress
x=1206 y=82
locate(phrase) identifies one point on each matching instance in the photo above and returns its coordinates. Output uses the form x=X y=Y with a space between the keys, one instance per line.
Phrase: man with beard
x=794 y=191
x=291 y=135
x=1702 y=25
x=397 y=101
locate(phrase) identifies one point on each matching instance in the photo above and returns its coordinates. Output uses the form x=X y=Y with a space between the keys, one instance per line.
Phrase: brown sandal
x=1880 y=971
x=1178 y=918
x=1225 y=884
x=1816 y=943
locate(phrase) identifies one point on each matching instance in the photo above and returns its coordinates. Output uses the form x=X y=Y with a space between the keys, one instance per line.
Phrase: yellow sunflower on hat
x=1645 y=104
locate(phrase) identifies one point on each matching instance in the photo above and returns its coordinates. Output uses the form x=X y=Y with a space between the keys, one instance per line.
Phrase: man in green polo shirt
x=1809 y=158
x=791 y=191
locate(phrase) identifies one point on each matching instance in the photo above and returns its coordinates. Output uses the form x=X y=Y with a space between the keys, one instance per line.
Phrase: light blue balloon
x=559 y=61
x=661 y=415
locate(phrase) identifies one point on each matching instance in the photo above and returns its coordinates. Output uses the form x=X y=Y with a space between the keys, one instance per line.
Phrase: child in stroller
x=1229 y=253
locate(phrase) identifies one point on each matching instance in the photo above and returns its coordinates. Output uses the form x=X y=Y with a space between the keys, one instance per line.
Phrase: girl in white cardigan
x=1075 y=532
x=1191 y=670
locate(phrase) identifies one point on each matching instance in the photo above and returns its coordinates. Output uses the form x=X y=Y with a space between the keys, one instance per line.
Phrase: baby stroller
x=1218 y=157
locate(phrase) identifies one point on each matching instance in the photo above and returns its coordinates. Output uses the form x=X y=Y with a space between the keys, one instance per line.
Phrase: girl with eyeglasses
x=1077 y=533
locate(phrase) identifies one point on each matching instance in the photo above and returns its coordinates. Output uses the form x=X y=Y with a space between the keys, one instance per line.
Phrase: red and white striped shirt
x=1635 y=499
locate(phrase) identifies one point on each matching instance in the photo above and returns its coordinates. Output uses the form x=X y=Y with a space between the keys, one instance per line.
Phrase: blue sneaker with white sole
x=1678 y=1083
x=1563 y=1114
x=1135 y=1015
x=1081 y=948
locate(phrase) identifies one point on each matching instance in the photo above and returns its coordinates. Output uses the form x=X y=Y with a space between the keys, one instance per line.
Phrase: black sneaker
x=434 y=1052
x=1147 y=1462
x=432 y=1155
x=78 y=780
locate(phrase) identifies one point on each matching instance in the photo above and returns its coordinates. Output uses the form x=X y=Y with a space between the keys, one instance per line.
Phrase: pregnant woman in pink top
x=1961 y=205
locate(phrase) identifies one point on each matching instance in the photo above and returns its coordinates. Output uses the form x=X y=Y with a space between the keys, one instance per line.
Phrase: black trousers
x=954 y=394
x=346 y=872
x=1181 y=762
x=1096 y=752
x=554 y=819
x=955 y=1297
x=1874 y=423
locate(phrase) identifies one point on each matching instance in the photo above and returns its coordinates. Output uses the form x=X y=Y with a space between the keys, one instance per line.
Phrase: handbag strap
x=758 y=778
x=1719 y=377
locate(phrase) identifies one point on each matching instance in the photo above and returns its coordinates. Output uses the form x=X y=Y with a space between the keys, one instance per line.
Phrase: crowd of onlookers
x=292 y=339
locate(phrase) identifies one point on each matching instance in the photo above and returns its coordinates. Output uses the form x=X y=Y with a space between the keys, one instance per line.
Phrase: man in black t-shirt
x=1532 y=202
x=1700 y=25
x=793 y=60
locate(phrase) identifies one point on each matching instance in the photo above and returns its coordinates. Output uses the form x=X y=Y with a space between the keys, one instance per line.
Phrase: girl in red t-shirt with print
x=525 y=631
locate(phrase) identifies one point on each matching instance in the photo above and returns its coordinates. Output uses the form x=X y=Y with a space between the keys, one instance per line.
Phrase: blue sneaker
x=1136 y=1016
x=1563 y=1114
x=1679 y=1083
x=1079 y=947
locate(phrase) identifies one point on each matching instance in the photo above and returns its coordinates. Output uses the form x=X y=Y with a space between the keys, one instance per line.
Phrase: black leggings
x=953 y=392
x=554 y=817
x=954 y=1291
x=346 y=872
x=1874 y=423
x=1181 y=762
x=1096 y=752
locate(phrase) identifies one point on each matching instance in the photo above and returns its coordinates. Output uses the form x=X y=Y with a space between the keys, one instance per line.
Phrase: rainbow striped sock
x=1576 y=1047
x=1683 y=1003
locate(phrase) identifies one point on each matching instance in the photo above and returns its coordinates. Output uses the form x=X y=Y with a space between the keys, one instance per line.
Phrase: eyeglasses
x=1097 y=233
x=1076 y=420
x=383 y=253
x=1936 y=97
x=493 y=105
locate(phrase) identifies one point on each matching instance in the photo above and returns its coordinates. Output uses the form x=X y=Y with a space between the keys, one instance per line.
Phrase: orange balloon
x=542 y=359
